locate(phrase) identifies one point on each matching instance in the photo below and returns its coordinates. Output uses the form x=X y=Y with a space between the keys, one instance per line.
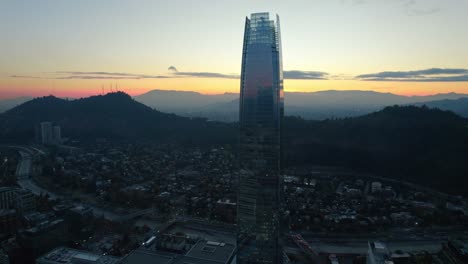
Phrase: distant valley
x=311 y=105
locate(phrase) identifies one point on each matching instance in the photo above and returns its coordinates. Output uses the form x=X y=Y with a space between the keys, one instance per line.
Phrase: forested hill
x=418 y=144
x=114 y=116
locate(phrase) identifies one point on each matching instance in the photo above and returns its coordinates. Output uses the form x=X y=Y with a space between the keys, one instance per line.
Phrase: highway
x=23 y=176
x=400 y=181
x=404 y=239
x=361 y=247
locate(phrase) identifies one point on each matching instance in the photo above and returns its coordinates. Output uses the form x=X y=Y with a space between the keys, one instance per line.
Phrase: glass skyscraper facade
x=261 y=113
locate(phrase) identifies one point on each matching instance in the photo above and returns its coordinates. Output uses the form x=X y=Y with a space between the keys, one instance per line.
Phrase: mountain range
x=416 y=143
x=459 y=106
x=309 y=105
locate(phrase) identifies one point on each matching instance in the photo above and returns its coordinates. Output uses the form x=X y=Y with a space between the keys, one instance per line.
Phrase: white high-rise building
x=46 y=133
x=50 y=134
x=57 y=135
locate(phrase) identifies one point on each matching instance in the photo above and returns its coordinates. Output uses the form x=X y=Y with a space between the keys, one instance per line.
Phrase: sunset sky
x=80 y=48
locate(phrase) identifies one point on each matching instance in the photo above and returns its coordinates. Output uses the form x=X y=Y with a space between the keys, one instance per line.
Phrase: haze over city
x=234 y=132
x=82 y=48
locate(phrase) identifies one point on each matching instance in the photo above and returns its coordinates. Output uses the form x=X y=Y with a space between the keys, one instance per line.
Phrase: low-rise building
x=7 y=197
x=25 y=201
x=8 y=221
x=64 y=255
x=203 y=252
x=378 y=253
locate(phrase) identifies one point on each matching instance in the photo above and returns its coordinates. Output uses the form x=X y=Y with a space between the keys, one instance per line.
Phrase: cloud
x=174 y=73
x=121 y=75
x=427 y=75
x=410 y=7
x=296 y=74
x=105 y=75
x=354 y=2
x=206 y=75
x=24 y=77
x=419 y=8
x=422 y=12
x=172 y=68
x=86 y=77
x=305 y=75
x=340 y=76
x=358 y=2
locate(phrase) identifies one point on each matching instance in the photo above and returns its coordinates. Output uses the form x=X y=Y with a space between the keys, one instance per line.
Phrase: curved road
x=23 y=175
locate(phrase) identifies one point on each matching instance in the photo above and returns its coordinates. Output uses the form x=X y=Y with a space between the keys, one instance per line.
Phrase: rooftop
x=64 y=255
x=212 y=251
x=5 y=212
x=204 y=252
x=143 y=256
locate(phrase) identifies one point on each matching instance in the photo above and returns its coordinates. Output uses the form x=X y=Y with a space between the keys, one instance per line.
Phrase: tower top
x=262 y=15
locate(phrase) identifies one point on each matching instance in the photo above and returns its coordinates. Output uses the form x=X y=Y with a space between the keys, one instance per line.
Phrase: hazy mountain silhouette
x=115 y=116
x=459 y=106
x=311 y=105
x=6 y=104
x=182 y=101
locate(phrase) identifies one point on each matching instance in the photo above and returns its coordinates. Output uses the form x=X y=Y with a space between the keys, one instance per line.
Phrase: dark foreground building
x=261 y=112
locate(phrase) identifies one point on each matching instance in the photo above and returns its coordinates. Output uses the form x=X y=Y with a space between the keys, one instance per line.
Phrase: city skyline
x=234 y=132
x=75 y=49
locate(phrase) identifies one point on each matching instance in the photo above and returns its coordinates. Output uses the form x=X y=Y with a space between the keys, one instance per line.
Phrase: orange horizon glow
x=81 y=48
x=12 y=88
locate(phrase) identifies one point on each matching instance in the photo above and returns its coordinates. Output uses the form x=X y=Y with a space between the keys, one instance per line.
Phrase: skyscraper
x=261 y=112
